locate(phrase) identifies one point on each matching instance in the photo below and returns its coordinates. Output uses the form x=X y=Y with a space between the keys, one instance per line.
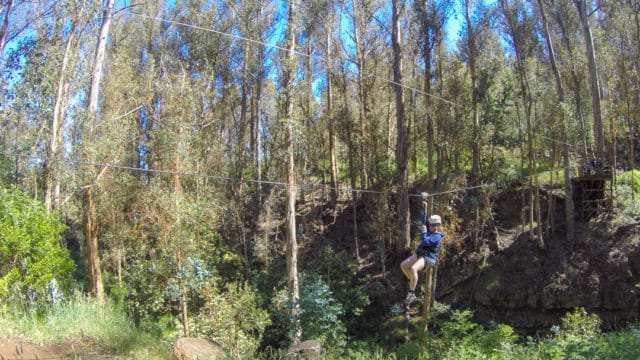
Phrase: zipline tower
x=593 y=190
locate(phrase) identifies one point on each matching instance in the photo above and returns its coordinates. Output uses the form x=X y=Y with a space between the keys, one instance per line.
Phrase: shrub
x=234 y=319
x=34 y=268
x=320 y=313
x=626 y=195
x=630 y=179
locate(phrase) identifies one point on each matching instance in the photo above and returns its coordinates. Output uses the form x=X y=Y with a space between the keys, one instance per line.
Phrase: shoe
x=411 y=297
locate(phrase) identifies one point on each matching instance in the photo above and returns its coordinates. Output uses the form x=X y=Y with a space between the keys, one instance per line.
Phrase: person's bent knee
x=418 y=265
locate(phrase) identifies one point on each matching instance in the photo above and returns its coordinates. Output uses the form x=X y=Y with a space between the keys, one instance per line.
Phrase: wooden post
x=428 y=276
x=428 y=295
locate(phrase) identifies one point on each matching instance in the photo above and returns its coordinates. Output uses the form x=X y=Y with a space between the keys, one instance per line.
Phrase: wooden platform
x=592 y=196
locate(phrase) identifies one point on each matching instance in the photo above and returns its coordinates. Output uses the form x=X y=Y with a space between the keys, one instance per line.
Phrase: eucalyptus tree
x=476 y=24
x=564 y=23
x=90 y=221
x=6 y=9
x=254 y=19
x=594 y=77
x=139 y=123
x=520 y=29
x=328 y=50
x=621 y=29
x=53 y=64
x=480 y=51
x=68 y=33
x=287 y=117
x=345 y=119
x=310 y=145
x=402 y=143
x=615 y=28
x=430 y=16
x=363 y=46
x=193 y=56
x=18 y=16
x=560 y=106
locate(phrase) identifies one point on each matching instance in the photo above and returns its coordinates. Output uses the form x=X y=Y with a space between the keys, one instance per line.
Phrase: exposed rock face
x=510 y=280
x=197 y=349
x=309 y=349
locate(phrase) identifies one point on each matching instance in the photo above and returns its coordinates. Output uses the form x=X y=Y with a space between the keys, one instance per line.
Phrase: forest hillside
x=503 y=275
x=253 y=172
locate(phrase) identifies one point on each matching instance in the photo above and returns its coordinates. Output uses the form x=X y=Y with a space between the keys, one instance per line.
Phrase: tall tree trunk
x=255 y=133
x=363 y=93
x=292 y=244
x=93 y=254
x=427 y=48
x=527 y=102
x=350 y=158
x=184 y=303
x=634 y=117
x=57 y=123
x=402 y=146
x=471 y=41
x=240 y=163
x=598 y=128
x=566 y=158
x=333 y=137
x=4 y=30
x=91 y=244
x=98 y=64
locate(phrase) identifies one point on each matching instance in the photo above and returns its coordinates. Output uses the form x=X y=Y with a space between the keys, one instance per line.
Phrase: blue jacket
x=430 y=241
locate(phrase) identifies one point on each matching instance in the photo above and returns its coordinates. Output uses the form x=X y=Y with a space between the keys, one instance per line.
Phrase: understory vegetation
x=453 y=335
x=254 y=320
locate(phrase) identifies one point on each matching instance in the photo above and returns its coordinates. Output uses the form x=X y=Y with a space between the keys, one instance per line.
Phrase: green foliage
x=341 y=275
x=627 y=196
x=154 y=287
x=631 y=179
x=460 y=335
x=320 y=314
x=33 y=266
x=456 y=336
x=580 y=323
x=234 y=319
x=81 y=317
x=359 y=350
x=6 y=175
x=623 y=345
x=188 y=281
x=577 y=338
x=145 y=299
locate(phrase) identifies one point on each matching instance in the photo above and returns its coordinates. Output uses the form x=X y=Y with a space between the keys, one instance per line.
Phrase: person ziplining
x=427 y=252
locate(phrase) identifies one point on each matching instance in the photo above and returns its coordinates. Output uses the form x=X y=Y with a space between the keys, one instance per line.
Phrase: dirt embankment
x=24 y=350
x=509 y=279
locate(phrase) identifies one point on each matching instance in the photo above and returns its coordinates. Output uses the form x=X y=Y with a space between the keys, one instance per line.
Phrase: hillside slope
x=506 y=278
x=503 y=276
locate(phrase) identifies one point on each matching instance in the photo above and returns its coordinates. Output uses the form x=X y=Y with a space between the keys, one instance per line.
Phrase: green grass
x=85 y=319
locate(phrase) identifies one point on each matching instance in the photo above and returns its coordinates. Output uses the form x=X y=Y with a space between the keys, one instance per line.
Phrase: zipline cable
x=252 y=181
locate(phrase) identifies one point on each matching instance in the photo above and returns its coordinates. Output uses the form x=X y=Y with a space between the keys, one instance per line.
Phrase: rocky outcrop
x=309 y=349
x=197 y=349
x=530 y=289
